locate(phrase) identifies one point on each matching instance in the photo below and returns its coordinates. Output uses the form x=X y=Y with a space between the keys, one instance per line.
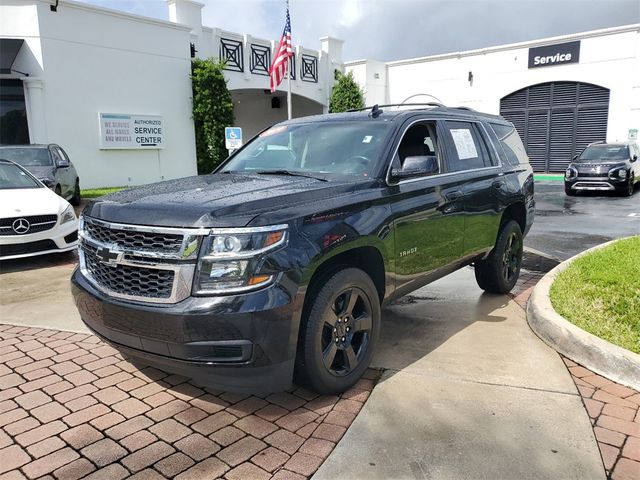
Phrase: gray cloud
x=397 y=29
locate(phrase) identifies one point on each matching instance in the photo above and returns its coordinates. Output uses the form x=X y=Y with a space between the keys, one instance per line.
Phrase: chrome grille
x=38 y=223
x=135 y=240
x=128 y=280
x=137 y=262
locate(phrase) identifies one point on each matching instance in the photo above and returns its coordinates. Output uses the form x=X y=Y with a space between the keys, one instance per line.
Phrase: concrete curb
x=594 y=353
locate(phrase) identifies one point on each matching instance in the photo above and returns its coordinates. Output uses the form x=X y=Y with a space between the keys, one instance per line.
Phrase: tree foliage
x=212 y=112
x=346 y=94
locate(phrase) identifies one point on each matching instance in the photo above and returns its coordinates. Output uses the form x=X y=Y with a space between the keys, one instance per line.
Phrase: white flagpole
x=289 y=91
x=289 y=106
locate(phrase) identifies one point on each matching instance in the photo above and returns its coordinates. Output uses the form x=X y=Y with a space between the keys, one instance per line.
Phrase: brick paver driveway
x=72 y=407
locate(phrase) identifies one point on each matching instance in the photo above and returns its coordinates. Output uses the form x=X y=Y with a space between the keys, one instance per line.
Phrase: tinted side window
x=511 y=143
x=62 y=154
x=55 y=155
x=418 y=140
x=468 y=150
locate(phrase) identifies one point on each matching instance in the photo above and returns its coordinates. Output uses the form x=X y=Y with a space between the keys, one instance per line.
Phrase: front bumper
x=595 y=184
x=242 y=343
x=60 y=238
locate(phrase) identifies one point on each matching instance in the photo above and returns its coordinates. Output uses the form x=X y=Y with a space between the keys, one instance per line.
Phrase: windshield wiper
x=290 y=173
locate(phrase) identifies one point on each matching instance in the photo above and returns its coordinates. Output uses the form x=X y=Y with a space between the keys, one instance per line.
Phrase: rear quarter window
x=514 y=152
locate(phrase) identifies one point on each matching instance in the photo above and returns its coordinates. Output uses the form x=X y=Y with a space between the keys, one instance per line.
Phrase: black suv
x=605 y=167
x=280 y=261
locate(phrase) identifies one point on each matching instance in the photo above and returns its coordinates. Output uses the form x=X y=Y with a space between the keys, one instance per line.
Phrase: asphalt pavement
x=565 y=226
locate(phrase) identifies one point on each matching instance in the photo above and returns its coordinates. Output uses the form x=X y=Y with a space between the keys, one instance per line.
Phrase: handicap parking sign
x=233 y=137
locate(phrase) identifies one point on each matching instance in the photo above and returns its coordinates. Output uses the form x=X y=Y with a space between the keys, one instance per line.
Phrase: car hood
x=41 y=172
x=217 y=200
x=22 y=202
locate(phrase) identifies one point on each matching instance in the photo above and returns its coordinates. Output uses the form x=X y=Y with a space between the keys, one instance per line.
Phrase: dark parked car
x=605 y=167
x=48 y=163
x=282 y=259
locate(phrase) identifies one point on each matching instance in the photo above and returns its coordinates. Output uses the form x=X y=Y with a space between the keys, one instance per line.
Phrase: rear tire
x=340 y=332
x=499 y=272
x=75 y=200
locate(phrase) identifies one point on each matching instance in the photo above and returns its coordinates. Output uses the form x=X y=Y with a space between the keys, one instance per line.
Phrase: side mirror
x=634 y=158
x=62 y=164
x=417 y=166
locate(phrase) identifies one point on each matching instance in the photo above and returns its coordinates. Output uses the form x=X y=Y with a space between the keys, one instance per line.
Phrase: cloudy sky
x=396 y=29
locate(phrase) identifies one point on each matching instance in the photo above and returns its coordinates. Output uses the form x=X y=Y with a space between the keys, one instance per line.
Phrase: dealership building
x=561 y=93
x=114 y=88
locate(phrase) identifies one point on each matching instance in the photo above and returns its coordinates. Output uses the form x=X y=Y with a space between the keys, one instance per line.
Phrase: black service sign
x=551 y=55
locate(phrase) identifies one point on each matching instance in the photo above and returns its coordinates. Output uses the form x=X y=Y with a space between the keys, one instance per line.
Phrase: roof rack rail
x=465 y=108
x=596 y=143
x=376 y=106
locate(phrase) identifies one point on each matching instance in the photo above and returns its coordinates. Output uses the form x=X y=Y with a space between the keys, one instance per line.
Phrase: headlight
x=571 y=172
x=618 y=173
x=230 y=259
x=68 y=215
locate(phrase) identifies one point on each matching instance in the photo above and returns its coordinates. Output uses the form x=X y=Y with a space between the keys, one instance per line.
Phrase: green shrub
x=346 y=94
x=212 y=112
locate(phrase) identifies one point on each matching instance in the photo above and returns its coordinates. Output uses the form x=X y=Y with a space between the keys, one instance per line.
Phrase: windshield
x=313 y=148
x=27 y=157
x=605 y=152
x=12 y=176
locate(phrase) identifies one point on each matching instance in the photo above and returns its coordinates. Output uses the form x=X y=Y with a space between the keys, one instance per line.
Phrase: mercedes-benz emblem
x=21 y=226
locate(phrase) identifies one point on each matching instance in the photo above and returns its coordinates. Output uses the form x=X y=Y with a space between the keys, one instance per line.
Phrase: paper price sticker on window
x=465 y=146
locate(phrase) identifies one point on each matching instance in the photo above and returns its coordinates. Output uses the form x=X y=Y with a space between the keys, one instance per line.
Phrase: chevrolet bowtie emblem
x=108 y=256
x=21 y=226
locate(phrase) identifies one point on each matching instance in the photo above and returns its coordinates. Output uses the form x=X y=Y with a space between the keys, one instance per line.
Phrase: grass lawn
x=549 y=176
x=99 y=192
x=600 y=293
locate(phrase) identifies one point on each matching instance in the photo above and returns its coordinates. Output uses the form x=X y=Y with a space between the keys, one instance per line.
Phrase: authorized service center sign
x=124 y=131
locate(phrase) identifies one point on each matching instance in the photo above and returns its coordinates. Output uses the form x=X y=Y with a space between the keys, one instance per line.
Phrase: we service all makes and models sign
x=124 y=131
x=557 y=54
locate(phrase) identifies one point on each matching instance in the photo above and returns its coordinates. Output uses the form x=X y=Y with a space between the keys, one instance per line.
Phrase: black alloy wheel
x=346 y=331
x=631 y=186
x=512 y=257
x=499 y=272
x=338 y=332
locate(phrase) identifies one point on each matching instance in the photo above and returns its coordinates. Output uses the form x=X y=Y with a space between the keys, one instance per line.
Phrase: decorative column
x=189 y=13
x=332 y=48
x=36 y=118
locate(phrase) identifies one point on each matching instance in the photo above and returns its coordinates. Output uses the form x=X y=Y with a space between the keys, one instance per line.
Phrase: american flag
x=280 y=63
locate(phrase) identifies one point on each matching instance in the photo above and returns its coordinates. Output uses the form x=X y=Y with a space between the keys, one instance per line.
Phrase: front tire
x=340 y=332
x=75 y=200
x=631 y=186
x=568 y=191
x=499 y=272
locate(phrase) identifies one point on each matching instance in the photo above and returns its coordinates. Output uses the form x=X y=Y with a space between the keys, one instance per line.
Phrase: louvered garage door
x=557 y=120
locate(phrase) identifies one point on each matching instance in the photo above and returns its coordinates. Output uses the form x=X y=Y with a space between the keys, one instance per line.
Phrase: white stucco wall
x=94 y=60
x=608 y=58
